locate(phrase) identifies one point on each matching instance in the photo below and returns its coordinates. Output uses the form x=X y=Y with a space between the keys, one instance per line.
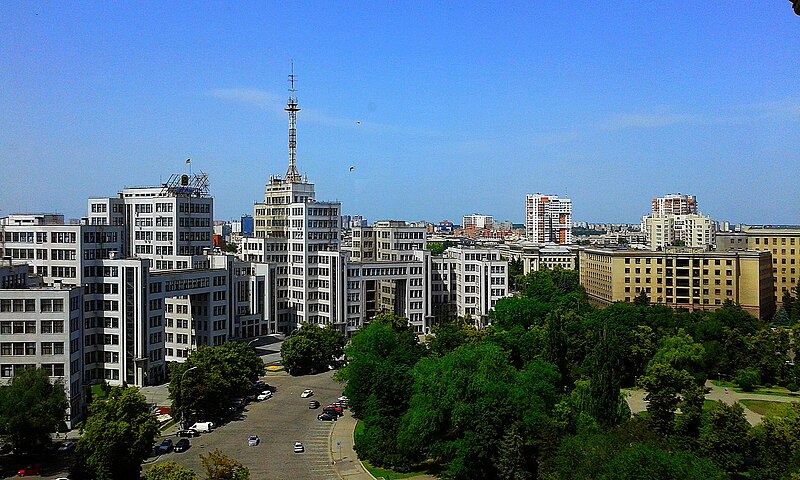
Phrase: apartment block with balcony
x=680 y=278
x=548 y=219
x=782 y=242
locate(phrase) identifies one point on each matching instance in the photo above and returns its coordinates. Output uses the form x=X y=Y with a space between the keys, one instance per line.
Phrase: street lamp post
x=180 y=394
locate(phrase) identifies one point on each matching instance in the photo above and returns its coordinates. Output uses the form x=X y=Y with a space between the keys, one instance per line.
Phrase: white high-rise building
x=675 y=220
x=548 y=219
x=477 y=220
x=674 y=204
x=293 y=231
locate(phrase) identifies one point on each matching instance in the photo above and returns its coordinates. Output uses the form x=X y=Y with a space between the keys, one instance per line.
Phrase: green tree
x=723 y=437
x=118 y=435
x=465 y=401
x=775 y=446
x=31 y=408
x=169 y=471
x=747 y=379
x=219 y=466
x=680 y=352
x=511 y=462
x=312 y=349
x=436 y=248
x=664 y=385
x=447 y=336
x=605 y=372
x=379 y=384
x=231 y=248
x=219 y=374
x=642 y=300
x=646 y=462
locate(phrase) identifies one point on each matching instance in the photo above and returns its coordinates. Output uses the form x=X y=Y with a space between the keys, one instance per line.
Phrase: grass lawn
x=764 y=407
x=388 y=474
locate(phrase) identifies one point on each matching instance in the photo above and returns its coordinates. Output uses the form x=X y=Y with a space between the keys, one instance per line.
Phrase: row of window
x=29 y=348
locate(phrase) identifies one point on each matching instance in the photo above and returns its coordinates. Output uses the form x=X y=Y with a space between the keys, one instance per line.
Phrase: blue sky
x=463 y=107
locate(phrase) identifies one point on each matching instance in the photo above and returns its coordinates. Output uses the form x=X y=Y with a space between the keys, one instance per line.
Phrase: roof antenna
x=292 y=176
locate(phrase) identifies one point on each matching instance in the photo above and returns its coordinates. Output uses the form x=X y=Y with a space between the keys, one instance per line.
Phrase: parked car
x=313 y=404
x=30 y=471
x=327 y=417
x=182 y=445
x=189 y=432
x=67 y=447
x=164 y=447
x=342 y=405
x=343 y=399
x=333 y=410
x=306 y=393
x=298 y=447
x=202 y=426
x=253 y=441
x=264 y=395
x=260 y=385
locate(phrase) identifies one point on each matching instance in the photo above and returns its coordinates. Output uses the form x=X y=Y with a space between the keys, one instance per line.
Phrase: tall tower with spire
x=292 y=175
x=271 y=217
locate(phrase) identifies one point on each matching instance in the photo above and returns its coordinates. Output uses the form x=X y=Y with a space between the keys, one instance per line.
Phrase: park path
x=637 y=403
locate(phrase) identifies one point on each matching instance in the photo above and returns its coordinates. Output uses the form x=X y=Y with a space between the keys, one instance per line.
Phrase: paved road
x=279 y=422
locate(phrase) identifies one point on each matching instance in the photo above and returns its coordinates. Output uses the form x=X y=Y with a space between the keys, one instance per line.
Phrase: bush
x=792 y=387
x=747 y=379
x=767 y=385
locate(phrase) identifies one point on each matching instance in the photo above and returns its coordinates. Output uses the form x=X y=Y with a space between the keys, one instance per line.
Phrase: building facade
x=782 y=242
x=680 y=278
x=548 y=219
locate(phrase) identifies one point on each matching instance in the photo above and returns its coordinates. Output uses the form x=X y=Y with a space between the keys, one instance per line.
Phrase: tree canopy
x=117 y=436
x=218 y=375
x=311 y=349
x=539 y=393
x=31 y=408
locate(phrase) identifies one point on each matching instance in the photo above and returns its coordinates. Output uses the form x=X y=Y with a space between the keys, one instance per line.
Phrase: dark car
x=333 y=410
x=67 y=447
x=182 y=445
x=313 y=404
x=189 y=432
x=327 y=417
x=164 y=447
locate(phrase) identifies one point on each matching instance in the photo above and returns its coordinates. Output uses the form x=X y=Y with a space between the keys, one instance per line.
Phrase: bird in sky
x=352 y=168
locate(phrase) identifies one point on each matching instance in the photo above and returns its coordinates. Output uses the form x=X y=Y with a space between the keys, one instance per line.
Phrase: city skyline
x=438 y=119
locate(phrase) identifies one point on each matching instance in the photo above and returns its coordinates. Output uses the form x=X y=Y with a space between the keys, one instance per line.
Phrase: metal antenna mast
x=292 y=175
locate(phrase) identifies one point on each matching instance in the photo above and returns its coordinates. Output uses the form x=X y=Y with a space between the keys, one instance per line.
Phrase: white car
x=307 y=393
x=298 y=447
x=253 y=441
x=264 y=395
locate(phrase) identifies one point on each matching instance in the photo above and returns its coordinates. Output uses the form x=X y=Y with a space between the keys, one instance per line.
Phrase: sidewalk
x=637 y=403
x=346 y=462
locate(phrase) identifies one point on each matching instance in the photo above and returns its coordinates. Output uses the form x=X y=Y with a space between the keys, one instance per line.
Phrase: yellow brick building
x=782 y=243
x=680 y=278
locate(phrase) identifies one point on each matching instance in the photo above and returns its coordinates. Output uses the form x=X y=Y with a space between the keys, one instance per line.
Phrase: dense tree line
x=311 y=349
x=217 y=376
x=538 y=394
x=31 y=409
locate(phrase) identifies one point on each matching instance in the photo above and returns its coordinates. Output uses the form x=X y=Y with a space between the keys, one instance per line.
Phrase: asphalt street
x=279 y=422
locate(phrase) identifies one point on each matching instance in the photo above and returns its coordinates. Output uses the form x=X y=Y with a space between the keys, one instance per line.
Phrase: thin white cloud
x=625 y=121
x=273 y=102
x=248 y=96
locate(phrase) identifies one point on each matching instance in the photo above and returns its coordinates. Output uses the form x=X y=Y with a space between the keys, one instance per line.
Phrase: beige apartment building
x=695 y=280
x=782 y=242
